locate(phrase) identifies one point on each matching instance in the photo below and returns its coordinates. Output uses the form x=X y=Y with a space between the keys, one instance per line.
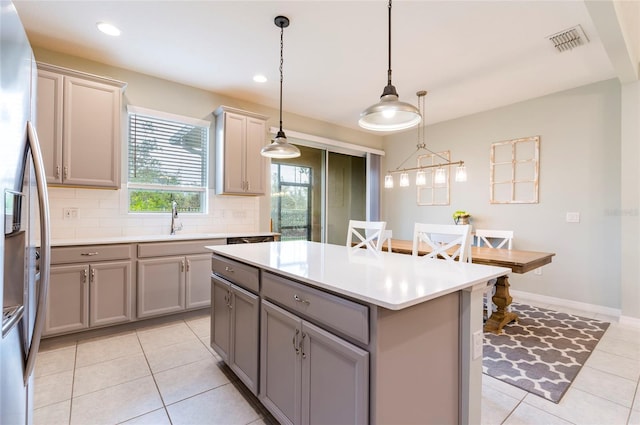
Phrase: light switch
x=573 y=217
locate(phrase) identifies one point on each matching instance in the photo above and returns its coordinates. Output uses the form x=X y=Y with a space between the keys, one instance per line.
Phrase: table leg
x=501 y=316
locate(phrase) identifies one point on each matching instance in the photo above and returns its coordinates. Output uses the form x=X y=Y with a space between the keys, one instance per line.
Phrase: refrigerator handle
x=45 y=248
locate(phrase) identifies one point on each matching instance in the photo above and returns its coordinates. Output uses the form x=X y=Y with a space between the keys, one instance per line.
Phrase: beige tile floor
x=168 y=374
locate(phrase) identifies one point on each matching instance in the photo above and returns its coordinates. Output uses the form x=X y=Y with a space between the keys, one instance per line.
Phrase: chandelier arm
x=412 y=153
x=403 y=170
x=432 y=152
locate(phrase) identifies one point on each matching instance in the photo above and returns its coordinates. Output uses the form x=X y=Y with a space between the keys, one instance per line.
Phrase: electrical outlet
x=70 y=213
x=477 y=344
x=573 y=217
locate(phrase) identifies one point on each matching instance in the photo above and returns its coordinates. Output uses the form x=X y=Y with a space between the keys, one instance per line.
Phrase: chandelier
x=440 y=174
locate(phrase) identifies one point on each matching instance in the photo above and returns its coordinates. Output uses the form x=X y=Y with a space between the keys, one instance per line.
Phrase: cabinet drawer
x=162 y=249
x=90 y=253
x=347 y=317
x=241 y=274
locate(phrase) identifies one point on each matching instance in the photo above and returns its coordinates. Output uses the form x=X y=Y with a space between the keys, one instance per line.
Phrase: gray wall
x=580 y=160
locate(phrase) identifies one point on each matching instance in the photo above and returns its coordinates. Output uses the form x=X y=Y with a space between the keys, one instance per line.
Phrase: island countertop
x=390 y=280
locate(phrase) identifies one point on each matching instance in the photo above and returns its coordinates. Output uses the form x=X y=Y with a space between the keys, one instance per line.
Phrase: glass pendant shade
x=461 y=173
x=280 y=148
x=389 y=115
x=421 y=178
x=404 y=180
x=388 y=181
x=440 y=177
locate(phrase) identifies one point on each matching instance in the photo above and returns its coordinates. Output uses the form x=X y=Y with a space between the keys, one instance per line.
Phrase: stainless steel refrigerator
x=25 y=246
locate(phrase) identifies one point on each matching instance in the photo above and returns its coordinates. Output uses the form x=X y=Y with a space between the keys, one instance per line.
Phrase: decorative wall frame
x=514 y=171
x=432 y=193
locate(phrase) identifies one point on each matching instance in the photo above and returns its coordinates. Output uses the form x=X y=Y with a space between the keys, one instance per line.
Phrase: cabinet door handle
x=89 y=254
x=66 y=172
x=188 y=264
x=84 y=276
x=304 y=355
x=93 y=275
x=295 y=342
x=230 y=300
x=300 y=300
x=229 y=269
x=57 y=171
x=182 y=265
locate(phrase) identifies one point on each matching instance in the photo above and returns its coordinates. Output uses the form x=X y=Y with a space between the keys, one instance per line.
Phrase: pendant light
x=389 y=114
x=280 y=147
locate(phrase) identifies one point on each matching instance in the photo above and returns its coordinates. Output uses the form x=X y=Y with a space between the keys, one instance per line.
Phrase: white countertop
x=155 y=238
x=390 y=280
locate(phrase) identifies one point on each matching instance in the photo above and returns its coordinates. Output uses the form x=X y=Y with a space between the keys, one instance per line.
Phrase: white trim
x=629 y=321
x=562 y=302
x=324 y=143
x=131 y=109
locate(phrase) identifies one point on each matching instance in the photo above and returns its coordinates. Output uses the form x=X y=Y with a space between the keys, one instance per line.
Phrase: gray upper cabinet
x=240 y=169
x=78 y=121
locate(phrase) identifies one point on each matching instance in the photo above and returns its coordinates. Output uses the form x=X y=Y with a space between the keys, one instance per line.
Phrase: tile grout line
x=164 y=405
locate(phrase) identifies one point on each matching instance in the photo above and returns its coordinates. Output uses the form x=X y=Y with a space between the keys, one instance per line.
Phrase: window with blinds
x=167 y=162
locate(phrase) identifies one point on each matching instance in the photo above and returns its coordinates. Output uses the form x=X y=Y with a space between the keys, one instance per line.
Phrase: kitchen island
x=326 y=334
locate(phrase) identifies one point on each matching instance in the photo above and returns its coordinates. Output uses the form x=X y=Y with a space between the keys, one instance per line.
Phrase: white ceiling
x=469 y=55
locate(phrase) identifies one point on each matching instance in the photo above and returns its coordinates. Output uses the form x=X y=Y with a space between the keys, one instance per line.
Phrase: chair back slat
x=441 y=239
x=368 y=234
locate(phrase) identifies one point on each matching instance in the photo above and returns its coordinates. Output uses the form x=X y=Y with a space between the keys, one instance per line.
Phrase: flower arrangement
x=461 y=217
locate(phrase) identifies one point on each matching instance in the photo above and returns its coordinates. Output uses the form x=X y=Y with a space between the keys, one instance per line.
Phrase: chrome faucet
x=174 y=215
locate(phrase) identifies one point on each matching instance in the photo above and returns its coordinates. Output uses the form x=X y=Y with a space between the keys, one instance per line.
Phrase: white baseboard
x=629 y=321
x=576 y=305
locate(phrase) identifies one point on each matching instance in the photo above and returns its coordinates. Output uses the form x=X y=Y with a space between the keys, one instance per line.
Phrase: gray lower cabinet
x=234 y=329
x=87 y=295
x=161 y=285
x=174 y=276
x=172 y=284
x=308 y=375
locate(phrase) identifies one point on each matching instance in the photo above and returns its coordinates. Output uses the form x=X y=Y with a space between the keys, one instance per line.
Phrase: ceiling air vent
x=569 y=38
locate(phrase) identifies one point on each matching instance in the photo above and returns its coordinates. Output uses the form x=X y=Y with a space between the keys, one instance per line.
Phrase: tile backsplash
x=104 y=213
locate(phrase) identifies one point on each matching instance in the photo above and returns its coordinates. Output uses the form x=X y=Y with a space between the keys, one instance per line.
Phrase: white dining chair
x=368 y=234
x=441 y=238
x=496 y=239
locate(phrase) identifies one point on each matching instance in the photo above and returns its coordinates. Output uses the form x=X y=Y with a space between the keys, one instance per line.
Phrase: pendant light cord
x=281 y=62
x=389 y=70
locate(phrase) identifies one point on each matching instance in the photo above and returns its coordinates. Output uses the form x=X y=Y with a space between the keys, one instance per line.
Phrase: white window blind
x=167 y=162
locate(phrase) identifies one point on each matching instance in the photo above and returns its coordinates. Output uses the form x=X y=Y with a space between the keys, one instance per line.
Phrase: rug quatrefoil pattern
x=543 y=351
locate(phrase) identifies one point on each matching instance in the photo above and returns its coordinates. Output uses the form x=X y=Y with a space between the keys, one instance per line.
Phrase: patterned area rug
x=543 y=351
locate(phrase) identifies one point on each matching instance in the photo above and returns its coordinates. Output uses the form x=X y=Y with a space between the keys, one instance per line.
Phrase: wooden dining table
x=517 y=260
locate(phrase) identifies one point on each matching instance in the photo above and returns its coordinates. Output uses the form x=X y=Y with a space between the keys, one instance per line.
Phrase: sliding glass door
x=346 y=194
x=314 y=196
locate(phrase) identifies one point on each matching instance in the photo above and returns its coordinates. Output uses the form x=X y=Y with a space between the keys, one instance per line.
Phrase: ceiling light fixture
x=279 y=147
x=389 y=114
x=108 y=29
x=439 y=176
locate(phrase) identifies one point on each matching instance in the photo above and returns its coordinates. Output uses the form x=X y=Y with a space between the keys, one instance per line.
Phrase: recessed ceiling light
x=259 y=78
x=108 y=29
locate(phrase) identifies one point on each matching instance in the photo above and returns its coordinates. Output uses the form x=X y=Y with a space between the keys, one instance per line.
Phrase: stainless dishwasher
x=250 y=239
